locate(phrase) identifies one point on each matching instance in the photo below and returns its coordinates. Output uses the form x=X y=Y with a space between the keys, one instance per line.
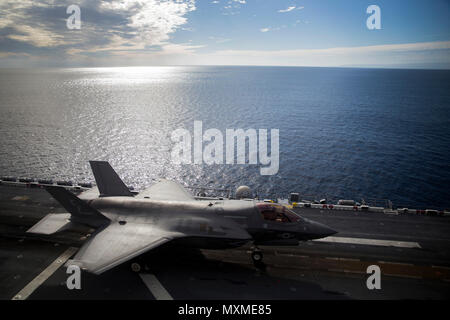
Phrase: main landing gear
x=139 y=265
x=257 y=255
x=136 y=267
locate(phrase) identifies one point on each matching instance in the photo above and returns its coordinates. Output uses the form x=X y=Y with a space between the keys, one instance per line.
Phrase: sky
x=326 y=33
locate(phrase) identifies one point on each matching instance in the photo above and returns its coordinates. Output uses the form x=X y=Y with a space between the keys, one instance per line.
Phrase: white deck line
x=371 y=242
x=155 y=287
x=44 y=275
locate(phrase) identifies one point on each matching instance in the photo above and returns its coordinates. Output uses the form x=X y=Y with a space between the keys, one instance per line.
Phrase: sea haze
x=349 y=133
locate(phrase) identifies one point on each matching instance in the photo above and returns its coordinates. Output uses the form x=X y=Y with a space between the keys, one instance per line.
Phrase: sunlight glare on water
x=343 y=132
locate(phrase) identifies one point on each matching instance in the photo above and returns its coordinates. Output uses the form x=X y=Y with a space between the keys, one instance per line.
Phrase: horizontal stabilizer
x=80 y=211
x=52 y=223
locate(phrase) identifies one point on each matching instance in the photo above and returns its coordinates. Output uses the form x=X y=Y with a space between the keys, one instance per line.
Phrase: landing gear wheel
x=135 y=267
x=257 y=256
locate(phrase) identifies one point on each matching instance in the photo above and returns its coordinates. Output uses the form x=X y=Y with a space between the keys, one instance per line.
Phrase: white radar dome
x=243 y=192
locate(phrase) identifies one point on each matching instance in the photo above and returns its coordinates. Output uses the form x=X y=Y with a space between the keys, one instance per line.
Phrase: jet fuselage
x=190 y=217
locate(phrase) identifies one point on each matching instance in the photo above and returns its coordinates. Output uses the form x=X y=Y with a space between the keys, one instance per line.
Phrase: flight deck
x=412 y=251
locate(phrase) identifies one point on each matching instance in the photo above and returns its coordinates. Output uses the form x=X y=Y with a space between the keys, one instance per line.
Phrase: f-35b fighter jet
x=128 y=225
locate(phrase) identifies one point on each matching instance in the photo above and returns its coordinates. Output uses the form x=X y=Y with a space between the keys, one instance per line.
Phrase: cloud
x=153 y=20
x=290 y=9
x=272 y=29
x=105 y=25
x=13 y=54
x=18 y=23
x=219 y=39
x=38 y=37
x=421 y=53
x=232 y=7
x=419 y=46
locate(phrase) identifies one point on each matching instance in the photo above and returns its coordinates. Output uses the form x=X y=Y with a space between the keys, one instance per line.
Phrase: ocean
x=344 y=133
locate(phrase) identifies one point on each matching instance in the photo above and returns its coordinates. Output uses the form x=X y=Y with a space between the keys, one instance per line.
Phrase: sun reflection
x=136 y=75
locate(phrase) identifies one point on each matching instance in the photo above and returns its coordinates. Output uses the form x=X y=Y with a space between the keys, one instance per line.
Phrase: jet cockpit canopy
x=277 y=213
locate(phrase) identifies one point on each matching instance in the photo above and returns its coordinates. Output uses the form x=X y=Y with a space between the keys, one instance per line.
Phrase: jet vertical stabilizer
x=108 y=182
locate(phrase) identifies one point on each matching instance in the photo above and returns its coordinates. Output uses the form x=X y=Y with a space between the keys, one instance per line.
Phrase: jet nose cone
x=321 y=231
x=326 y=232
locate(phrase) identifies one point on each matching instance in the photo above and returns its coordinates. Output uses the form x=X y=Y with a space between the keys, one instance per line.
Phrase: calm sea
x=348 y=133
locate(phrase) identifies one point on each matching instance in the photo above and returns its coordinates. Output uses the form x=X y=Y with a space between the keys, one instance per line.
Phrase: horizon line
x=232 y=65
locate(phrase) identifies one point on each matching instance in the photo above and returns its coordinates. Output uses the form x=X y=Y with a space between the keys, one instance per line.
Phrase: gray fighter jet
x=128 y=225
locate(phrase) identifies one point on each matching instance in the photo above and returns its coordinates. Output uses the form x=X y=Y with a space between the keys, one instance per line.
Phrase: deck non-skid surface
x=413 y=253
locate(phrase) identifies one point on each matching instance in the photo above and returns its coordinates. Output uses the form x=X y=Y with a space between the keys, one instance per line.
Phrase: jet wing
x=117 y=243
x=166 y=190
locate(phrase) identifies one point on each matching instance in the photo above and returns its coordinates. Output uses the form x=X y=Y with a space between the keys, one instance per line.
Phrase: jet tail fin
x=80 y=211
x=108 y=182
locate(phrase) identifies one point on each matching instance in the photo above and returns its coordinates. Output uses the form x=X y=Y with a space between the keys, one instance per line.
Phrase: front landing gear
x=257 y=257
